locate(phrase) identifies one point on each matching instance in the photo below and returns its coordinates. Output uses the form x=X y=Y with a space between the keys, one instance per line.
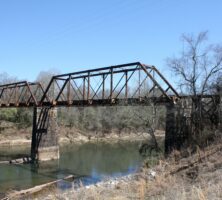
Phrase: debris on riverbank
x=31 y=191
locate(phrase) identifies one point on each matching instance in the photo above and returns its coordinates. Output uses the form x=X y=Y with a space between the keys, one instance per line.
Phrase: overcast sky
x=71 y=35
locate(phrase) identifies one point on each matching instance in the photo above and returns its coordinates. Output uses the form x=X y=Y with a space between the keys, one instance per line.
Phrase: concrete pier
x=45 y=134
x=177 y=128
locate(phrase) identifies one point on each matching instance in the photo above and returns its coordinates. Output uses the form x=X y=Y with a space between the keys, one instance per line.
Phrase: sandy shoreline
x=81 y=139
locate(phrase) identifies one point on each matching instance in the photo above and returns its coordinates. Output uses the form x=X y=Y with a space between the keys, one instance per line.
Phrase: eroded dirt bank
x=22 y=137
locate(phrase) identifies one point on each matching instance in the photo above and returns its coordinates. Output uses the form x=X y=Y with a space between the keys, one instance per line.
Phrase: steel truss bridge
x=132 y=83
x=126 y=84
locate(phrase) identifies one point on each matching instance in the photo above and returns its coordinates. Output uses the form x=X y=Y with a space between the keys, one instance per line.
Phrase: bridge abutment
x=45 y=134
x=177 y=128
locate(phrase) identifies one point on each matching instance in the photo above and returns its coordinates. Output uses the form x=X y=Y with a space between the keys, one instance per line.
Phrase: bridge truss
x=126 y=84
x=132 y=83
x=20 y=94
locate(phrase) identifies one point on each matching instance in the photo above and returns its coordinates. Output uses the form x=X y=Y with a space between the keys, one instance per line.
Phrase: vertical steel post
x=139 y=82
x=88 y=87
x=84 y=88
x=103 y=90
x=153 y=84
x=68 y=91
x=53 y=91
x=34 y=134
x=111 y=84
x=16 y=95
x=126 y=88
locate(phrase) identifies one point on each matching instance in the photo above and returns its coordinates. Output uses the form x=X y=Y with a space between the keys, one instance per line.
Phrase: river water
x=89 y=162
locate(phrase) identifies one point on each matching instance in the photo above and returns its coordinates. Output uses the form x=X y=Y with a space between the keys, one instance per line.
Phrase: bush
x=8 y=114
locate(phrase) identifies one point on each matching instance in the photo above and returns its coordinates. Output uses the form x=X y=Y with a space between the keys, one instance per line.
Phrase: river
x=89 y=162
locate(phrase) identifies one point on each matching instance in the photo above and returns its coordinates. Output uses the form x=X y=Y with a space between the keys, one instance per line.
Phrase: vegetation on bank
x=183 y=175
x=104 y=120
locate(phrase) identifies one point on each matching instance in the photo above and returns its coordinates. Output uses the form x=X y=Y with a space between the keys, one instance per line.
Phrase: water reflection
x=93 y=162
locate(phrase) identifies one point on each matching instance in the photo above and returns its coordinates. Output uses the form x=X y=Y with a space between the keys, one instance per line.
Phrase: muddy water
x=92 y=162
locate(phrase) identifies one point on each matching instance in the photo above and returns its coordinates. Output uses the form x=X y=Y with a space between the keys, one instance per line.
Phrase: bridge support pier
x=45 y=134
x=177 y=128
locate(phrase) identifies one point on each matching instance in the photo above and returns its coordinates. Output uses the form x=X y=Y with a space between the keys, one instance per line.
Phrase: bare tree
x=5 y=78
x=198 y=67
x=198 y=64
x=45 y=76
x=216 y=87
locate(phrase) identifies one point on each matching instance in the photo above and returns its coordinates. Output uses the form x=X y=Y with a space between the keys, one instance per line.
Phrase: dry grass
x=196 y=177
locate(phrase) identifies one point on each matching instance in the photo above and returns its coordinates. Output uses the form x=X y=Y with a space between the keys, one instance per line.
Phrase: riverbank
x=181 y=176
x=91 y=161
x=22 y=137
x=197 y=176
